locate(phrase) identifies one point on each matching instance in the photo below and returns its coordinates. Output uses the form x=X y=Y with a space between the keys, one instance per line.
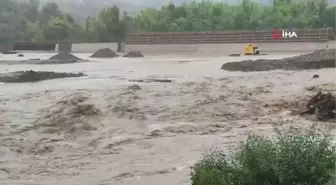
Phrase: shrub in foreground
x=293 y=157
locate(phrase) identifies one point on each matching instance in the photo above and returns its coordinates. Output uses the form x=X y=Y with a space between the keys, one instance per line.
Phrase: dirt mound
x=64 y=56
x=34 y=76
x=134 y=54
x=104 y=53
x=70 y=115
x=317 y=60
x=323 y=105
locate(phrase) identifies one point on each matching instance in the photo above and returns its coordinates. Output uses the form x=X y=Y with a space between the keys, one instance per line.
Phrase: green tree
x=12 y=22
x=30 y=10
x=57 y=29
x=95 y=31
x=24 y=22
x=115 y=27
x=212 y=16
x=49 y=10
x=34 y=33
x=293 y=157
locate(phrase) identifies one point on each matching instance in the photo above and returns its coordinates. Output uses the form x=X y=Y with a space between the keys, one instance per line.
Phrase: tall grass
x=292 y=157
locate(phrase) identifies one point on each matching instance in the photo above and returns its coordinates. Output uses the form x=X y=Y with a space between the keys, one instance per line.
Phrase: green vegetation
x=25 y=22
x=293 y=158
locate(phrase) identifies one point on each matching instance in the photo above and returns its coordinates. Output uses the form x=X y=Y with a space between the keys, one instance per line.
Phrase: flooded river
x=103 y=130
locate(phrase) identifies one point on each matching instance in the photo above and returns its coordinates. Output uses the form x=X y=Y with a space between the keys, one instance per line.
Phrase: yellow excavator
x=251 y=49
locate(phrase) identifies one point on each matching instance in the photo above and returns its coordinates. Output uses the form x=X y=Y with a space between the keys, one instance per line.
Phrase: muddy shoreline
x=316 y=60
x=34 y=76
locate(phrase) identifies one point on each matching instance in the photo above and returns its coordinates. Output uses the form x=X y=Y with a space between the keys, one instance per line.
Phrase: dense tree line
x=209 y=16
x=27 y=22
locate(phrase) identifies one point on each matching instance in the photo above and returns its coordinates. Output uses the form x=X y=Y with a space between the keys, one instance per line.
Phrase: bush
x=293 y=157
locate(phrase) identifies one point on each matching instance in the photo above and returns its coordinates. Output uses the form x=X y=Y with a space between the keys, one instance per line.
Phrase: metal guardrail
x=238 y=36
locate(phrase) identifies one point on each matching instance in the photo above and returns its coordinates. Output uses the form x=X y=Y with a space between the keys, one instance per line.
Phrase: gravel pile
x=317 y=60
x=134 y=54
x=64 y=56
x=104 y=53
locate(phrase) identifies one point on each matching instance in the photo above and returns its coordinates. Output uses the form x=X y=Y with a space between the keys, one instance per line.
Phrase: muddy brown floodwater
x=115 y=126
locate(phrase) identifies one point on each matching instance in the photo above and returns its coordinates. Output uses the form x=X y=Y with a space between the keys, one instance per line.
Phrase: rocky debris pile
x=323 y=105
x=104 y=53
x=64 y=56
x=71 y=115
x=34 y=76
x=316 y=60
x=134 y=54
